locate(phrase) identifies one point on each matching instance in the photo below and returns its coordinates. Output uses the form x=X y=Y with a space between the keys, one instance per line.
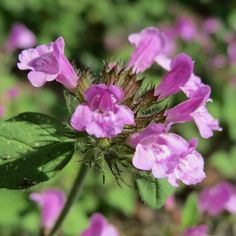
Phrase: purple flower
x=181 y=69
x=102 y=115
x=51 y=202
x=186 y=28
x=167 y=155
x=218 y=198
x=149 y=43
x=211 y=25
x=48 y=63
x=200 y=230
x=205 y=122
x=195 y=107
x=183 y=112
x=20 y=37
x=99 y=227
x=193 y=84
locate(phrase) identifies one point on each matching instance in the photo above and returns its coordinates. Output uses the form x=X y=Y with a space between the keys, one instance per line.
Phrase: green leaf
x=154 y=193
x=33 y=147
x=225 y=162
x=190 y=214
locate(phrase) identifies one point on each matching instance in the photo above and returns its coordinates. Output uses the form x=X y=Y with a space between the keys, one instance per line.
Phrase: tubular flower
x=180 y=72
x=99 y=227
x=205 y=122
x=192 y=109
x=149 y=43
x=102 y=115
x=51 y=202
x=183 y=112
x=167 y=155
x=48 y=63
x=20 y=37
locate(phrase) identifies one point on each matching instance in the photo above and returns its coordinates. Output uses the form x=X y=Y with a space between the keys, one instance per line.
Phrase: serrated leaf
x=190 y=214
x=33 y=148
x=154 y=193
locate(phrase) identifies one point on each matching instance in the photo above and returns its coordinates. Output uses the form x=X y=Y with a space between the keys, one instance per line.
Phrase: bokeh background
x=96 y=31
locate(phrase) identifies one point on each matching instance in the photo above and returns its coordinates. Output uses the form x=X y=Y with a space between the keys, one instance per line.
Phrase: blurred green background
x=95 y=31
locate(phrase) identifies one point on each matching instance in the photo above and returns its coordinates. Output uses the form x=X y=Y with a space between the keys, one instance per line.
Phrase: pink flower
x=218 y=198
x=48 y=63
x=193 y=84
x=170 y=203
x=184 y=111
x=149 y=43
x=99 y=227
x=20 y=37
x=200 y=230
x=181 y=71
x=211 y=25
x=205 y=122
x=51 y=202
x=167 y=155
x=102 y=115
x=186 y=28
x=195 y=107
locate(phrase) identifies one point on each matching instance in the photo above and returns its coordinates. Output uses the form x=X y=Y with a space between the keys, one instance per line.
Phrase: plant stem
x=74 y=192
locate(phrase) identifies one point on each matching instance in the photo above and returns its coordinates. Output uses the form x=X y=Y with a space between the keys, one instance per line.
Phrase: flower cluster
x=114 y=105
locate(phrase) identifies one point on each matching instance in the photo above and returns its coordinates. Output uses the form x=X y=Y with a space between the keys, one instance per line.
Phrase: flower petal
x=81 y=117
x=149 y=43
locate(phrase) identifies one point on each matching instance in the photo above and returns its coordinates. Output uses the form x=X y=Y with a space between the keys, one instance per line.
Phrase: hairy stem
x=74 y=192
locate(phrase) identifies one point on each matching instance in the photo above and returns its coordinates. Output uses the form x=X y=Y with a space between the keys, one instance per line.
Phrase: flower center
x=46 y=63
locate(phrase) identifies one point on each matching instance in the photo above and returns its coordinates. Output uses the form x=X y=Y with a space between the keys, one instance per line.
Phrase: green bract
x=154 y=193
